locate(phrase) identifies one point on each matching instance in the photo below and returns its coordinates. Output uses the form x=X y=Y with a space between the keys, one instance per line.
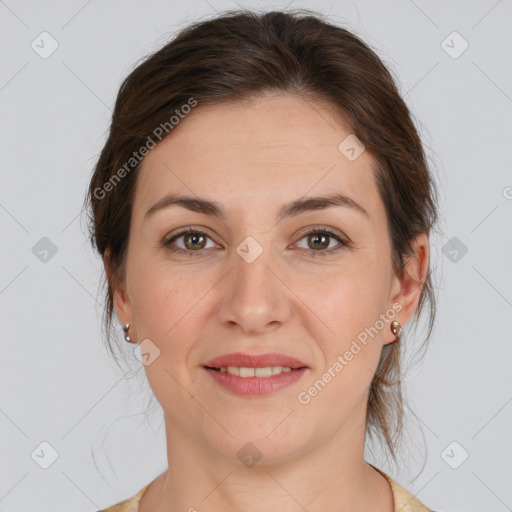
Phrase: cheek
x=351 y=352
x=153 y=303
x=164 y=299
x=164 y=312
x=348 y=302
x=171 y=309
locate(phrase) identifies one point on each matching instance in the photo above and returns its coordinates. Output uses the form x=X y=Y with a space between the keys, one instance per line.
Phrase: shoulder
x=404 y=500
x=128 y=505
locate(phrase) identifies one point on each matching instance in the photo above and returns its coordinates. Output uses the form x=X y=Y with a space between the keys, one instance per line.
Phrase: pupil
x=194 y=238
x=318 y=236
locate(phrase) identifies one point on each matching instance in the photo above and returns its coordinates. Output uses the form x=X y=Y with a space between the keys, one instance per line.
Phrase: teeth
x=268 y=371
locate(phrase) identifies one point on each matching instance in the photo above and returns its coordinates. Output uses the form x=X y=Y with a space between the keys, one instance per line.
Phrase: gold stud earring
x=125 y=329
x=396 y=328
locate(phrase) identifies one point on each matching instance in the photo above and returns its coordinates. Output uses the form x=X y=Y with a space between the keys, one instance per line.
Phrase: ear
x=407 y=289
x=121 y=301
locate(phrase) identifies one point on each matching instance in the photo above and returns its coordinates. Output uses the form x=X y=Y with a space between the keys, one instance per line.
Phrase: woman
x=263 y=208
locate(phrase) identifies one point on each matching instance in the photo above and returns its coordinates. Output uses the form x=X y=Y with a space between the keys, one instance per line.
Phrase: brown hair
x=239 y=54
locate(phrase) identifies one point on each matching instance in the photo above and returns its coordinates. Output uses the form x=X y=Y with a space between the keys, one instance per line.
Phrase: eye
x=194 y=242
x=320 y=239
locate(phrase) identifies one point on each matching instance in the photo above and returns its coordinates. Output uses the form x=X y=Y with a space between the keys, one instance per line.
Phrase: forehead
x=255 y=150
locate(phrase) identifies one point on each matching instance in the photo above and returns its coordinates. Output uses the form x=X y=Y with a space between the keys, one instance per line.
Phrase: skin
x=254 y=157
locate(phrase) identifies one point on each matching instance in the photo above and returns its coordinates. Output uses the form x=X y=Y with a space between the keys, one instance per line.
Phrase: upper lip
x=254 y=361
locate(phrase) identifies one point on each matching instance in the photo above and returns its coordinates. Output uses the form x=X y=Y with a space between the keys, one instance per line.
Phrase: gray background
x=57 y=382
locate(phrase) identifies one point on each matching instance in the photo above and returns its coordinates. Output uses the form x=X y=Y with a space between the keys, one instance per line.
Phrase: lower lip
x=255 y=386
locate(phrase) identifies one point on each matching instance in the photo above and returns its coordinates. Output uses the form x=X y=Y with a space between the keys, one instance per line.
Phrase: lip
x=255 y=386
x=255 y=361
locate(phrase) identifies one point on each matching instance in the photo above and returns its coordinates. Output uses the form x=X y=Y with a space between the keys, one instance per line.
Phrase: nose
x=254 y=297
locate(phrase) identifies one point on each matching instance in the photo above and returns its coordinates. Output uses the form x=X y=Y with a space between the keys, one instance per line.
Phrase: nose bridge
x=254 y=297
x=252 y=278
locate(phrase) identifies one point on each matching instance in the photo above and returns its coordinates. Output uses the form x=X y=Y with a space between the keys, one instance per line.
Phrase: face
x=255 y=282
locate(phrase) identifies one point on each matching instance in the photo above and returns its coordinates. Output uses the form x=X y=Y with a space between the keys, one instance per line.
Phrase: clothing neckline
x=403 y=500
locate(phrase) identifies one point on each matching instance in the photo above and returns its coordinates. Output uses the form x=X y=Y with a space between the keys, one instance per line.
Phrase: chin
x=266 y=443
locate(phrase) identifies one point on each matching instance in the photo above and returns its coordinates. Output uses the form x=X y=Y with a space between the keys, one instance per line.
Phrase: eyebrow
x=302 y=205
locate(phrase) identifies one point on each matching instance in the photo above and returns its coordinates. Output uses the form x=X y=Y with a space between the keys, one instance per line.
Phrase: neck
x=331 y=476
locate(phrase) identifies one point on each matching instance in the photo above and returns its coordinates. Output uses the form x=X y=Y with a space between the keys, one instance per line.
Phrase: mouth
x=247 y=372
x=255 y=375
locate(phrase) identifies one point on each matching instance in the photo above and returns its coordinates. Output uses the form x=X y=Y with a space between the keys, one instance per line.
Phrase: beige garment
x=404 y=500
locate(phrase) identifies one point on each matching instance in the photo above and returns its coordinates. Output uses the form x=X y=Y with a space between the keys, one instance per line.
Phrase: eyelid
x=319 y=228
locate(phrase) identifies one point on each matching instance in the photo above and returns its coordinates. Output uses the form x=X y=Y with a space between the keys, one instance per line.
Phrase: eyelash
x=315 y=231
